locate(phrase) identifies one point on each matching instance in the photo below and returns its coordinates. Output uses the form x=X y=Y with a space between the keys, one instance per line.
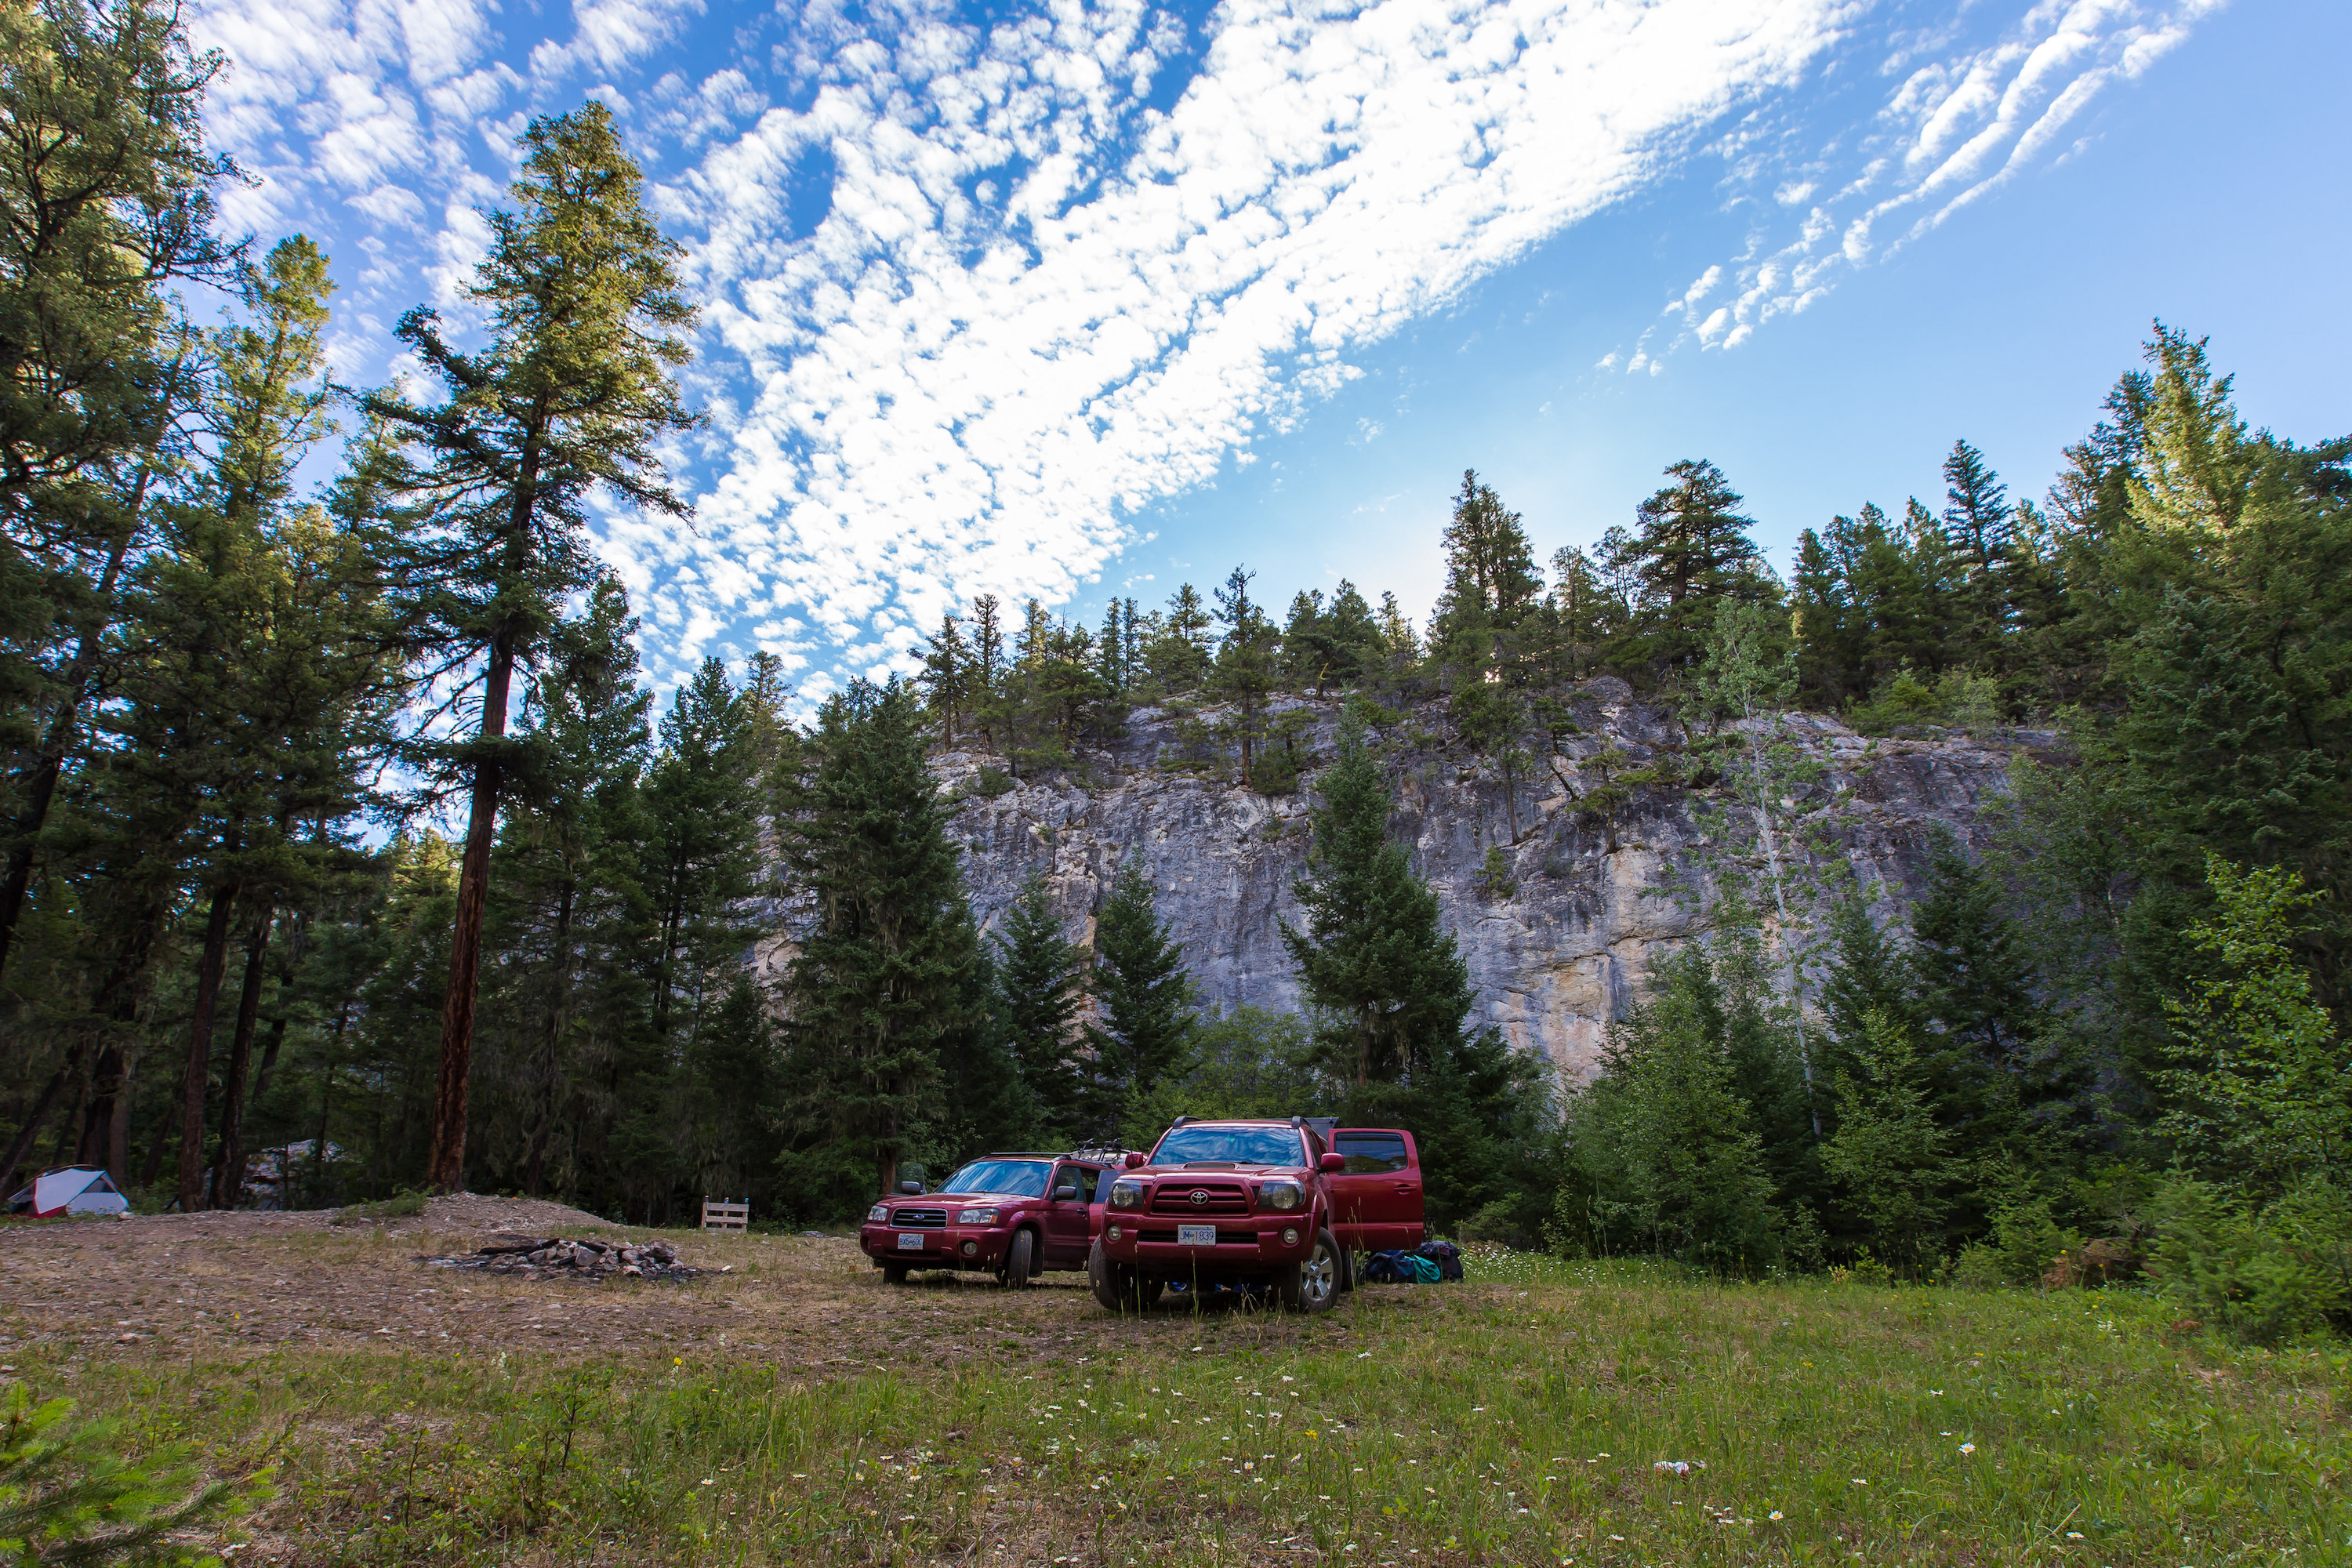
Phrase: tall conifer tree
x=1144 y=1000
x=880 y=984
x=570 y=396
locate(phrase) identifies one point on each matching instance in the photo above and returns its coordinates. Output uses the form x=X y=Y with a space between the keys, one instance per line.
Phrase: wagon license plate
x=909 y=1242
x=1196 y=1236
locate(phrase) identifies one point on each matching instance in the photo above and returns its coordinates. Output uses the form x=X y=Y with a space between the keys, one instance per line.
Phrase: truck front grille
x=1222 y=1198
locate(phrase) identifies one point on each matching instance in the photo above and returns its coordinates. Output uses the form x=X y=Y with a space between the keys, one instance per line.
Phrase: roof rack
x=1096 y=1151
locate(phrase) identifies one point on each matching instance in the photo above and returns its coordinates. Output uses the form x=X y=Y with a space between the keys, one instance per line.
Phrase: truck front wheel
x=1313 y=1285
x=1113 y=1283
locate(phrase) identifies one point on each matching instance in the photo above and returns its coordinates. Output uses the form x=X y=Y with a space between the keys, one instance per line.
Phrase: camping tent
x=70 y=1189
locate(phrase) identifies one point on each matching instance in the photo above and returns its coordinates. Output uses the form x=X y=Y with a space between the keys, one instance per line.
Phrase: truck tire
x=1019 y=1259
x=893 y=1274
x=1114 y=1284
x=1313 y=1286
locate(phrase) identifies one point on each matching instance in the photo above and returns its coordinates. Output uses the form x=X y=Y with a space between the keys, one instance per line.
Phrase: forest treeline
x=344 y=818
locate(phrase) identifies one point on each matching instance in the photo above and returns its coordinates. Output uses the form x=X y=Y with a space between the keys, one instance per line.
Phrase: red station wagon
x=1013 y=1216
x=1256 y=1203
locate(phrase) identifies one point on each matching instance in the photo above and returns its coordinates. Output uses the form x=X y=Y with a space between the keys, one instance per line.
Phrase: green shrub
x=2260 y=1274
x=1979 y=1267
x=1497 y=1222
x=67 y=1497
x=1902 y=701
x=1495 y=880
x=2026 y=1240
x=401 y=1204
x=991 y=782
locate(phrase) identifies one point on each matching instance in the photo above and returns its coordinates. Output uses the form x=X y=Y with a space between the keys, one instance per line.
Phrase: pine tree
x=949 y=675
x=1667 y=1143
x=1888 y=1153
x=1144 y=1000
x=570 y=396
x=702 y=849
x=1693 y=549
x=1579 y=605
x=1384 y=978
x=569 y=914
x=1244 y=674
x=1979 y=531
x=1489 y=582
x=2262 y=1094
x=1867 y=975
x=1179 y=656
x=879 y=985
x=106 y=210
x=1036 y=1010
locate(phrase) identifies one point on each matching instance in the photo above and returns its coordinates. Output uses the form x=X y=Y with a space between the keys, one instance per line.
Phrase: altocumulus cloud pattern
x=976 y=291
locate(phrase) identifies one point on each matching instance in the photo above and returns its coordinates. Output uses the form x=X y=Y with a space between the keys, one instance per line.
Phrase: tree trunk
x=117 y=1131
x=152 y=1168
x=107 y=1085
x=200 y=1047
x=558 y=1013
x=229 y=1160
x=295 y=942
x=30 y=1132
x=445 y=1170
x=49 y=763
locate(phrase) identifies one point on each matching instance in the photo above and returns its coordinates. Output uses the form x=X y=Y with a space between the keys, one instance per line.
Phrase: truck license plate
x=908 y=1242
x=1196 y=1236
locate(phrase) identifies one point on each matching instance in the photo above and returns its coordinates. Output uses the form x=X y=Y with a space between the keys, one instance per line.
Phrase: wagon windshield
x=1238 y=1145
x=1007 y=1178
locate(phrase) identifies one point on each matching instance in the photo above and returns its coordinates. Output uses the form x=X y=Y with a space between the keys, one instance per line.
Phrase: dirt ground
x=209 y=1284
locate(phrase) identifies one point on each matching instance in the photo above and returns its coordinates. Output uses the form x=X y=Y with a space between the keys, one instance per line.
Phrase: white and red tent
x=70 y=1189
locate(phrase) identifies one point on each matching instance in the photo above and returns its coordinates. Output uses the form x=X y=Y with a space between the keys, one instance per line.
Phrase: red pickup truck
x=1013 y=1216
x=1255 y=1203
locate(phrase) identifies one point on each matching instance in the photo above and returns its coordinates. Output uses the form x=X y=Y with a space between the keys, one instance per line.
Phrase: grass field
x=1522 y=1417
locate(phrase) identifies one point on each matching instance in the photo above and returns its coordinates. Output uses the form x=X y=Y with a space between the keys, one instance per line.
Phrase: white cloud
x=1955 y=128
x=953 y=394
x=973 y=305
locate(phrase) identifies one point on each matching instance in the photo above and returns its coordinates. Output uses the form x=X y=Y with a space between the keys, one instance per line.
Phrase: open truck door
x=1376 y=1196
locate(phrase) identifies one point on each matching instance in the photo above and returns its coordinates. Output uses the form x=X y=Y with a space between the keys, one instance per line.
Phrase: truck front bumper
x=1255 y=1244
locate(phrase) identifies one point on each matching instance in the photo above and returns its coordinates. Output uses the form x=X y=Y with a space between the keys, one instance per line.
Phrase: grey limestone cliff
x=1608 y=866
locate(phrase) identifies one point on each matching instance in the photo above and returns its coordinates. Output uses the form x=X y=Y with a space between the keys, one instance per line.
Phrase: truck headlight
x=976 y=1217
x=1127 y=1194
x=1282 y=1196
x=878 y=1213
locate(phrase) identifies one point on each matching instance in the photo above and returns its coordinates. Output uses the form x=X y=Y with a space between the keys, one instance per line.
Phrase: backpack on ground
x=1444 y=1254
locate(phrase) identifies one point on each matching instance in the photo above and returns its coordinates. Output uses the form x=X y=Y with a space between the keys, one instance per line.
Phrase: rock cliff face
x=1607 y=870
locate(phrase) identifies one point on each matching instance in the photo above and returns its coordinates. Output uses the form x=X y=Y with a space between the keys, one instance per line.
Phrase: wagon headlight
x=976 y=1217
x=878 y=1213
x=1127 y=1194
x=1282 y=1196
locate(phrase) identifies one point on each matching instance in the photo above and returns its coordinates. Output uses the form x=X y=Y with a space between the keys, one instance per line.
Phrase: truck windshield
x=1239 y=1145
x=1007 y=1178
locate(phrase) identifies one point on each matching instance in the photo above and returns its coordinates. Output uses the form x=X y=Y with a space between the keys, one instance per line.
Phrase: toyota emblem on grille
x=1199 y=1195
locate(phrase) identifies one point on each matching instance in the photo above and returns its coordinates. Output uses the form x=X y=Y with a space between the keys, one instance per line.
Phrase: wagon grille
x=920 y=1219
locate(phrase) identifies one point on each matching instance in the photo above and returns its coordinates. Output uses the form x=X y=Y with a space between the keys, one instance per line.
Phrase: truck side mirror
x=1066 y=1193
x=910 y=1189
x=1137 y=1159
x=1332 y=1164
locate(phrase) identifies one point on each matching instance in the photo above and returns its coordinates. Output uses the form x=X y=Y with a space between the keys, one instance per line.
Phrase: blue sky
x=1072 y=299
